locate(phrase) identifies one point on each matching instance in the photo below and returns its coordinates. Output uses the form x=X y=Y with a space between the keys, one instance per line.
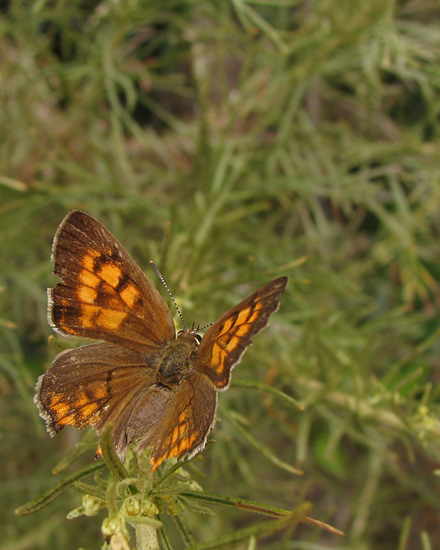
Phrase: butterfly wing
x=94 y=384
x=174 y=422
x=227 y=339
x=104 y=294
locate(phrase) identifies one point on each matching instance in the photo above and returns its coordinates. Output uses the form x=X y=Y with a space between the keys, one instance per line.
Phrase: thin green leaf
x=232 y=502
x=258 y=386
x=231 y=417
x=59 y=488
x=260 y=530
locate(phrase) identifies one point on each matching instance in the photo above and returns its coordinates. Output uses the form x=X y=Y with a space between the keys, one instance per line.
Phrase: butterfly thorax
x=176 y=360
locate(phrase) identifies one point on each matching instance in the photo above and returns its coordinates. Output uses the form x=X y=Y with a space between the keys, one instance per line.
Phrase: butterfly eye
x=198 y=338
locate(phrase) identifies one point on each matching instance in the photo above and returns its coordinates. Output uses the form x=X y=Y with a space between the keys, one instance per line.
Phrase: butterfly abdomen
x=176 y=360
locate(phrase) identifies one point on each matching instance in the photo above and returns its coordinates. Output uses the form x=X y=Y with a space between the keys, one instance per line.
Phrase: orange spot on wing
x=217 y=354
x=240 y=332
x=87 y=294
x=111 y=319
x=99 y=391
x=243 y=316
x=96 y=316
x=233 y=343
x=80 y=400
x=255 y=312
x=68 y=420
x=219 y=368
x=88 y=410
x=186 y=444
x=60 y=408
x=129 y=295
x=227 y=325
x=88 y=260
x=75 y=411
x=111 y=274
x=88 y=279
x=175 y=436
x=89 y=314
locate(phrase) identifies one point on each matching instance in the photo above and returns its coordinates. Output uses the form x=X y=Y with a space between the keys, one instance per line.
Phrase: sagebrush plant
x=232 y=142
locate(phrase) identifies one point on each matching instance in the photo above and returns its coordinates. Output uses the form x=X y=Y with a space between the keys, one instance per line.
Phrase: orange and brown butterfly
x=158 y=389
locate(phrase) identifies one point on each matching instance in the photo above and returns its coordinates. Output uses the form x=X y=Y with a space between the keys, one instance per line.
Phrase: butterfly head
x=190 y=336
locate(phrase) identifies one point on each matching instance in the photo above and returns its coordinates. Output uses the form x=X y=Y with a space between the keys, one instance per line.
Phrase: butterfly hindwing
x=227 y=339
x=104 y=294
x=93 y=385
x=174 y=422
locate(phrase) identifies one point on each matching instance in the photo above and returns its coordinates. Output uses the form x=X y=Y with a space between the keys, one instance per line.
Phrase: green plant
x=133 y=497
x=229 y=142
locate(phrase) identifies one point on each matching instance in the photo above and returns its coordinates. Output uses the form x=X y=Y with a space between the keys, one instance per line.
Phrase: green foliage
x=233 y=142
x=133 y=497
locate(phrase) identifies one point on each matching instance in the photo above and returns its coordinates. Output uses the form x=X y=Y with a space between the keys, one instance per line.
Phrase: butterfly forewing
x=227 y=339
x=104 y=294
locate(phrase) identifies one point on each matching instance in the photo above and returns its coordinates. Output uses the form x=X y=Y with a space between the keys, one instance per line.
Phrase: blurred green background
x=233 y=141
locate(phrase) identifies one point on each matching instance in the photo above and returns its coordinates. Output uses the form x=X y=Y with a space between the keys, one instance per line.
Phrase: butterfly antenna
x=159 y=274
x=203 y=328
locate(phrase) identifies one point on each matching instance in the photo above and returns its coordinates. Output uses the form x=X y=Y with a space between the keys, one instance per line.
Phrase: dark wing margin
x=226 y=341
x=104 y=294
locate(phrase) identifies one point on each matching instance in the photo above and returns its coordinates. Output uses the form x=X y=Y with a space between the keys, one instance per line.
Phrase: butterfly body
x=158 y=389
x=176 y=359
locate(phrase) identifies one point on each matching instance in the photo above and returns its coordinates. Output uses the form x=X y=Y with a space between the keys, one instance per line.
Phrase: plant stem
x=146 y=537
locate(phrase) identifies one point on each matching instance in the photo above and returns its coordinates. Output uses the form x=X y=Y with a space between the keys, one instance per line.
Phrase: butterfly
x=158 y=389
